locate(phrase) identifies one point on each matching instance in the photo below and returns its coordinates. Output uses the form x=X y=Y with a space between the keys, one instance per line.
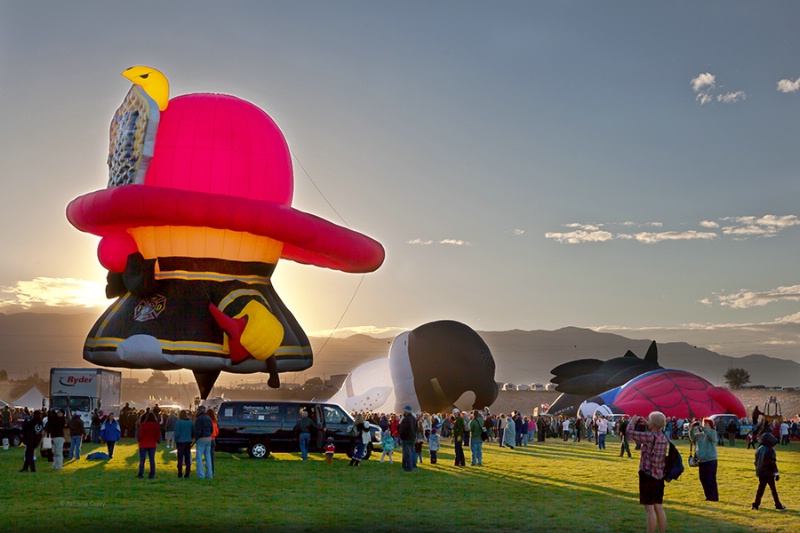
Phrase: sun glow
x=53 y=294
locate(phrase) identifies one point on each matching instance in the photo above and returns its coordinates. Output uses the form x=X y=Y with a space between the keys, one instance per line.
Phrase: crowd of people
x=150 y=427
x=410 y=433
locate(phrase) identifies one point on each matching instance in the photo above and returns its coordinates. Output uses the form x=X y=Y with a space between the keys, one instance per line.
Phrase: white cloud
x=731 y=98
x=745 y=299
x=766 y=226
x=789 y=86
x=703 y=81
x=580 y=236
x=652 y=238
x=53 y=293
x=705 y=86
x=738 y=228
x=428 y=242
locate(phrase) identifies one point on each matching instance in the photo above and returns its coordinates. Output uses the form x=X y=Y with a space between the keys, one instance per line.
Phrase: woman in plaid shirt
x=651 y=466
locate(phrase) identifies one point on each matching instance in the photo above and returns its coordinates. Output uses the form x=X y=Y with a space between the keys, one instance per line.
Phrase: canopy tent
x=31 y=399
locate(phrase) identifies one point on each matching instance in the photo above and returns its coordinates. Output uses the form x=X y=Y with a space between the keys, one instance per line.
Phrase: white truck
x=82 y=390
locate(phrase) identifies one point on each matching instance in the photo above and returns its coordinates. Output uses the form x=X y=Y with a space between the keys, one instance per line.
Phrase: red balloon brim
x=307 y=239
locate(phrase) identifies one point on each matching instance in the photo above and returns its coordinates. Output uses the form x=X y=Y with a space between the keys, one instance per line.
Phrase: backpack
x=673 y=467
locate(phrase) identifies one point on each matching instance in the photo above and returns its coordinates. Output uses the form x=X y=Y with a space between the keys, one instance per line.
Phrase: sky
x=630 y=167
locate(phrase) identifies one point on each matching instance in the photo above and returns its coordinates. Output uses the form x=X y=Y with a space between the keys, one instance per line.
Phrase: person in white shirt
x=602 y=431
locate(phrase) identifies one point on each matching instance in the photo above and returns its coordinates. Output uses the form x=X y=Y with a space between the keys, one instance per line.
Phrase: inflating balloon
x=431 y=368
x=196 y=214
x=581 y=379
x=675 y=393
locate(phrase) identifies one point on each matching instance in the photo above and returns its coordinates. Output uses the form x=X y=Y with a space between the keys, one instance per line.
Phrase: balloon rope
x=355 y=292
x=343 y=313
x=318 y=189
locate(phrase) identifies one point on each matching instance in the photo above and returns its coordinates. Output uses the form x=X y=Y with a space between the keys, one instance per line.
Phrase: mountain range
x=34 y=342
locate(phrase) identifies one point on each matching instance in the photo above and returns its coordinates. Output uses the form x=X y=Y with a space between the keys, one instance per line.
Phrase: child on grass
x=330 y=449
x=433 y=445
x=387 y=443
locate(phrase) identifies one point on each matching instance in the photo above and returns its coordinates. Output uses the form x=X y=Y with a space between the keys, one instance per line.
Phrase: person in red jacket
x=149 y=436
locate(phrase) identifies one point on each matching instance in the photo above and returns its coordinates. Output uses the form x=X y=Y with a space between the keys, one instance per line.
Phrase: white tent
x=31 y=399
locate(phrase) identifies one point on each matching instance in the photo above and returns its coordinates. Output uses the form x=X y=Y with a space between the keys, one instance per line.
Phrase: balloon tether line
x=355 y=292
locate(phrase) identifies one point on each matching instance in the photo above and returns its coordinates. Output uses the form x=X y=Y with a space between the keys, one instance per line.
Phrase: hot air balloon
x=430 y=368
x=195 y=216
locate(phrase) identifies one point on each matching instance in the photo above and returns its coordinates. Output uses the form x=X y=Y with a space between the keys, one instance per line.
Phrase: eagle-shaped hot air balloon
x=196 y=214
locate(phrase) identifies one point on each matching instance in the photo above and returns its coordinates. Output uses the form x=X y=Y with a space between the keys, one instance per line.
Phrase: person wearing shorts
x=650 y=434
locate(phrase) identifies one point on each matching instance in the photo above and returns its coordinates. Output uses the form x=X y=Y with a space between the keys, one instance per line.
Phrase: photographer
x=704 y=439
x=650 y=434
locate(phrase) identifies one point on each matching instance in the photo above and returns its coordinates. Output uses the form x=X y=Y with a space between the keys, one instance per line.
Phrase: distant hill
x=33 y=342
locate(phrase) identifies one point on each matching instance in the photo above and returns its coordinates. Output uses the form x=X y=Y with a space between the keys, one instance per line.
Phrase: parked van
x=263 y=427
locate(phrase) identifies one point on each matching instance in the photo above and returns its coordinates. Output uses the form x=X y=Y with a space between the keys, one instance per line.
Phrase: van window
x=334 y=415
x=293 y=413
x=267 y=413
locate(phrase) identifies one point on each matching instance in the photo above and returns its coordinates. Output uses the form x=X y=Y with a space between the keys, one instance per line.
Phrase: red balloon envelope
x=676 y=393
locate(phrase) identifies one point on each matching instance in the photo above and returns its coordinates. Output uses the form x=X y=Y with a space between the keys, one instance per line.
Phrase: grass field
x=554 y=486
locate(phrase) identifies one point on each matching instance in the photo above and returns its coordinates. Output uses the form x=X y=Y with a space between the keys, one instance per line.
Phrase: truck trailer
x=82 y=390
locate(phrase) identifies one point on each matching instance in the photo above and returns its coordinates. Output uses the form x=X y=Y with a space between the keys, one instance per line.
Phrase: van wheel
x=258 y=450
x=16 y=440
x=367 y=452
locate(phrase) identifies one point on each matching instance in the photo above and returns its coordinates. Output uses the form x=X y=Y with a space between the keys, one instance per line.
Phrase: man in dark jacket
x=623 y=437
x=203 y=429
x=408 y=433
x=55 y=429
x=767 y=471
x=76 y=432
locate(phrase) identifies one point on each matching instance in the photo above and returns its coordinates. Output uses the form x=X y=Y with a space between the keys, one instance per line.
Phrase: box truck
x=82 y=390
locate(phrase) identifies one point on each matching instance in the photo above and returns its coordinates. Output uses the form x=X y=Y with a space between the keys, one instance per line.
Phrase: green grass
x=554 y=486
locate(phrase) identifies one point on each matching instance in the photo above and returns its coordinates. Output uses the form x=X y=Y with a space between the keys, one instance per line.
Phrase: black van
x=263 y=427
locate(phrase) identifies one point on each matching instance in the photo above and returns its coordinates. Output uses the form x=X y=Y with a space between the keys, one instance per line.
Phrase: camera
x=641 y=425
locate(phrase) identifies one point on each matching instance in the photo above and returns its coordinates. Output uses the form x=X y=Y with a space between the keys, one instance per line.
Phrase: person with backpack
x=649 y=433
x=704 y=439
x=767 y=471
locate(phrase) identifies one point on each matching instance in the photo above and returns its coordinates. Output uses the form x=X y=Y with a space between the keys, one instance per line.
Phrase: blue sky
x=625 y=166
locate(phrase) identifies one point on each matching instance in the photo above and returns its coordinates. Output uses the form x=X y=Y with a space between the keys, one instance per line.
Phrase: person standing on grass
x=433 y=445
x=387 y=443
x=704 y=439
x=183 y=442
x=501 y=430
x=76 y=432
x=32 y=431
x=149 y=436
x=510 y=435
x=169 y=429
x=94 y=427
x=476 y=443
x=652 y=462
x=407 y=431
x=602 y=431
x=55 y=430
x=767 y=471
x=110 y=434
x=459 y=430
x=732 y=429
x=623 y=437
x=302 y=430
x=203 y=429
